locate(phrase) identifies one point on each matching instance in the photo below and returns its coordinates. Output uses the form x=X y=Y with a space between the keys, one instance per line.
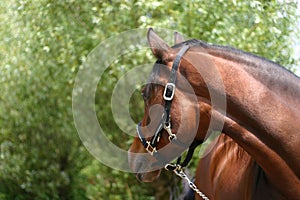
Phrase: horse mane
x=269 y=73
x=232 y=53
x=152 y=80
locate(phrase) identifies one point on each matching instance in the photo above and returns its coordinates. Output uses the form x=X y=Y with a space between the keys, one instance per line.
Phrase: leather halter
x=165 y=122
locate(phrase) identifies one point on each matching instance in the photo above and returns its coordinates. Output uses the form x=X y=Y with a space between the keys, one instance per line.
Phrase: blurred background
x=43 y=44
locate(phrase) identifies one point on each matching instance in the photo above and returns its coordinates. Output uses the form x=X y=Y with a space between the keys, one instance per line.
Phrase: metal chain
x=179 y=172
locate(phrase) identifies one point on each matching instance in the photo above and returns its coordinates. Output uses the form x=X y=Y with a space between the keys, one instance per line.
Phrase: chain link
x=179 y=172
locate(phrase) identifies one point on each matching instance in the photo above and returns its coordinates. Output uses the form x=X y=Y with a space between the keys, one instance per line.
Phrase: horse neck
x=261 y=96
x=258 y=87
x=257 y=90
x=274 y=77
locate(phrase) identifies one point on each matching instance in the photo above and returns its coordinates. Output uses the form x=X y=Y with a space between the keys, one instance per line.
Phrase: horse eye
x=144 y=95
x=146 y=92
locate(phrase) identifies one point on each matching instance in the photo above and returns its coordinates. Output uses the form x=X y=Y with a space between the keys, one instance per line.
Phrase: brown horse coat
x=259 y=157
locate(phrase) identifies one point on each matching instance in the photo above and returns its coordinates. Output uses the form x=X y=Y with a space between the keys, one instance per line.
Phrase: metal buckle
x=169 y=87
x=150 y=149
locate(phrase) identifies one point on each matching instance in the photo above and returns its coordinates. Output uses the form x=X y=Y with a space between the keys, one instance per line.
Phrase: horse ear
x=178 y=38
x=159 y=48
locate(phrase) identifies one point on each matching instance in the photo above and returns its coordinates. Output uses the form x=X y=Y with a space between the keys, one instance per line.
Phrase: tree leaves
x=43 y=44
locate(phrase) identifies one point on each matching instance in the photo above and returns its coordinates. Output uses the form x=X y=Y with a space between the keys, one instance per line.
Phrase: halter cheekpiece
x=165 y=122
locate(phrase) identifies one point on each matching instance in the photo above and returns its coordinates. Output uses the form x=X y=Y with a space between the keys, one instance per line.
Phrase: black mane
x=228 y=49
x=267 y=72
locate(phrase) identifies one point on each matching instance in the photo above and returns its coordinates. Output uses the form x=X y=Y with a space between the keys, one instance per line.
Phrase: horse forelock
x=155 y=72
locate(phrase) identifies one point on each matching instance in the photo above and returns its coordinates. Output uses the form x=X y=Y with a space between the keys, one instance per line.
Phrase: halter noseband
x=165 y=122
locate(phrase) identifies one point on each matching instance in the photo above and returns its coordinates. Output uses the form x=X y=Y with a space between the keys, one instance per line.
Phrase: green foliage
x=43 y=44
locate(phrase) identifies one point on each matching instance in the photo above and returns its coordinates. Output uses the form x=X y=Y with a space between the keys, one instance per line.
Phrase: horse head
x=171 y=112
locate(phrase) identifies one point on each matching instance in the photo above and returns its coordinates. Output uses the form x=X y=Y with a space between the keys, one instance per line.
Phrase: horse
x=257 y=155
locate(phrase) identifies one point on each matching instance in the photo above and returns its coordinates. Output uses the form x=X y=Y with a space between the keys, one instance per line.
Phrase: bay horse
x=257 y=155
